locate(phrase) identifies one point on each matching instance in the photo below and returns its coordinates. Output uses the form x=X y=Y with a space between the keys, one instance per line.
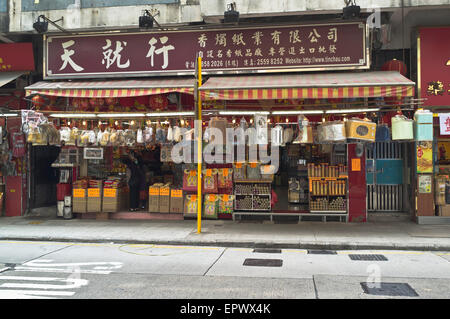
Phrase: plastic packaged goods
x=360 y=129
x=177 y=134
x=331 y=132
x=277 y=135
x=423 y=125
x=65 y=134
x=104 y=141
x=148 y=135
x=402 y=128
x=139 y=136
x=130 y=138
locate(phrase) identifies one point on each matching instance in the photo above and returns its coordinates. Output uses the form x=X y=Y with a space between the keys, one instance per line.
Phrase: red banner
x=434 y=65
x=16 y=57
x=300 y=47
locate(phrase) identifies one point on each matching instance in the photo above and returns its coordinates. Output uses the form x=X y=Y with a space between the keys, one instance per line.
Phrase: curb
x=236 y=244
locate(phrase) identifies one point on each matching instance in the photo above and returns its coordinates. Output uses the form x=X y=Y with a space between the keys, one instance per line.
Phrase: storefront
x=16 y=62
x=315 y=126
x=433 y=184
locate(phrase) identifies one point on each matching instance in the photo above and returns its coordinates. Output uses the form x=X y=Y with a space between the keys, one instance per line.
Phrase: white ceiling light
x=73 y=115
x=243 y=112
x=297 y=112
x=162 y=114
x=341 y=111
x=115 y=115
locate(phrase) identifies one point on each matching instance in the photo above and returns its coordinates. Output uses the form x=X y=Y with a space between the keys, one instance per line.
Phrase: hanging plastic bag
x=277 y=135
x=170 y=134
x=177 y=134
x=139 y=137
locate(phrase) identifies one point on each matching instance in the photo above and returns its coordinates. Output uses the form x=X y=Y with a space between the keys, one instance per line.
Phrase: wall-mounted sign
x=93 y=153
x=424 y=157
x=232 y=50
x=434 y=65
x=424 y=184
x=16 y=57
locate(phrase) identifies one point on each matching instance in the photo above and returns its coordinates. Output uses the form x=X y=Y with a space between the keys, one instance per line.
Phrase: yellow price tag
x=164 y=192
x=110 y=192
x=176 y=193
x=154 y=191
x=94 y=192
x=79 y=193
x=225 y=172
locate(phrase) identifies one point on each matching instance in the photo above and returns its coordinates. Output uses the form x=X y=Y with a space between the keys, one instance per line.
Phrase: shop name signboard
x=16 y=57
x=232 y=50
x=434 y=65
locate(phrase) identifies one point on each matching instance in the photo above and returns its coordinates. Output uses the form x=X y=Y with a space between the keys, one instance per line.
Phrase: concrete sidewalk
x=399 y=235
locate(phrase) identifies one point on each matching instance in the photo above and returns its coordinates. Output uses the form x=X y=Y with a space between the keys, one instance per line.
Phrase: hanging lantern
x=38 y=101
x=395 y=65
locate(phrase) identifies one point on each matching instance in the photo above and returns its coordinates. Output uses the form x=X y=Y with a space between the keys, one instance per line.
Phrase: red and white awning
x=113 y=88
x=308 y=86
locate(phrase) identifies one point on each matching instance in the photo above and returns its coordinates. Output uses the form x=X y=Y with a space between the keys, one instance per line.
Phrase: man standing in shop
x=133 y=178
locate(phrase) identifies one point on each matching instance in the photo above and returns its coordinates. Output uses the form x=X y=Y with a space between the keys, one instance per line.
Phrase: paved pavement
x=404 y=235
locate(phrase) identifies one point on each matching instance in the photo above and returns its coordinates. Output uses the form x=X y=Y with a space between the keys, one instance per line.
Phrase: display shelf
x=251 y=198
x=253 y=181
x=323 y=216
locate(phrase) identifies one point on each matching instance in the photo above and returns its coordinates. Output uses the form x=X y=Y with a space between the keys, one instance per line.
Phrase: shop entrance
x=385 y=176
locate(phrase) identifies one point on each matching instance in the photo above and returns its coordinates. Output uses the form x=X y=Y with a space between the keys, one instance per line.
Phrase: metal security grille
x=385 y=187
x=263 y=262
x=322 y=252
x=267 y=251
x=367 y=257
x=389 y=289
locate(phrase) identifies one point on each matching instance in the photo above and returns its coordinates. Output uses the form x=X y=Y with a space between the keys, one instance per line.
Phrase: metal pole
x=199 y=147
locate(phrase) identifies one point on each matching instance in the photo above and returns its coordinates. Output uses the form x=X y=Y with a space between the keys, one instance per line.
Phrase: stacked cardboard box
x=153 y=197
x=164 y=198
x=176 y=201
x=114 y=199
x=79 y=201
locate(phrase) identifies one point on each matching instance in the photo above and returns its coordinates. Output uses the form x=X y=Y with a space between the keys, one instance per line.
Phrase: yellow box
x=361 y=130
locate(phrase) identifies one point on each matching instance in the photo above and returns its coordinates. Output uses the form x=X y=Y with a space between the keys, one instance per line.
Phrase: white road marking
x=35 y=294
x=41 y=287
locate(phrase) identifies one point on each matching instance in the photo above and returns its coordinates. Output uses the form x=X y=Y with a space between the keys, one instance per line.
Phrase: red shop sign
x=300 y=47
x=16 y=57
x=434 y=65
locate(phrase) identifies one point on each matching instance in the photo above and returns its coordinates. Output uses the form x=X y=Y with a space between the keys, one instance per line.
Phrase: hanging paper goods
x=225 y=178
x=210 y=206
x=210 y=184
x=225 y=204
x=253 y=171
x=239 y=171
x=190 y=180
x=190 y=206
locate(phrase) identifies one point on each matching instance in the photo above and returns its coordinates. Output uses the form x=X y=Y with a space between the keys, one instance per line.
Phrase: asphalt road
x=96 y=271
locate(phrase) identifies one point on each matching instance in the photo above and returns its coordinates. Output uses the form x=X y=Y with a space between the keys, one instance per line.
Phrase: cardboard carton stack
x=176 y=201
x=94 y=201
x=115 y=195
x=153 y=197
x=79 y=192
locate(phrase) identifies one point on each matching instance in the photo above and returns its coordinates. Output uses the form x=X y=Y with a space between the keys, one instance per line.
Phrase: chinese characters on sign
x=16 y=57
x=434 y=66
x=338 y=46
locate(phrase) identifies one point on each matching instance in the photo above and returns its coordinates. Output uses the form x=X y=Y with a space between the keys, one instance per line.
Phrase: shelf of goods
x=252 y=196
x=327 y=188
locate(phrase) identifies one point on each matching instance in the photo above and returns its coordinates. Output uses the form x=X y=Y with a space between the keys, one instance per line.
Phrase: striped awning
x=114 y=88
x=308 y=86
